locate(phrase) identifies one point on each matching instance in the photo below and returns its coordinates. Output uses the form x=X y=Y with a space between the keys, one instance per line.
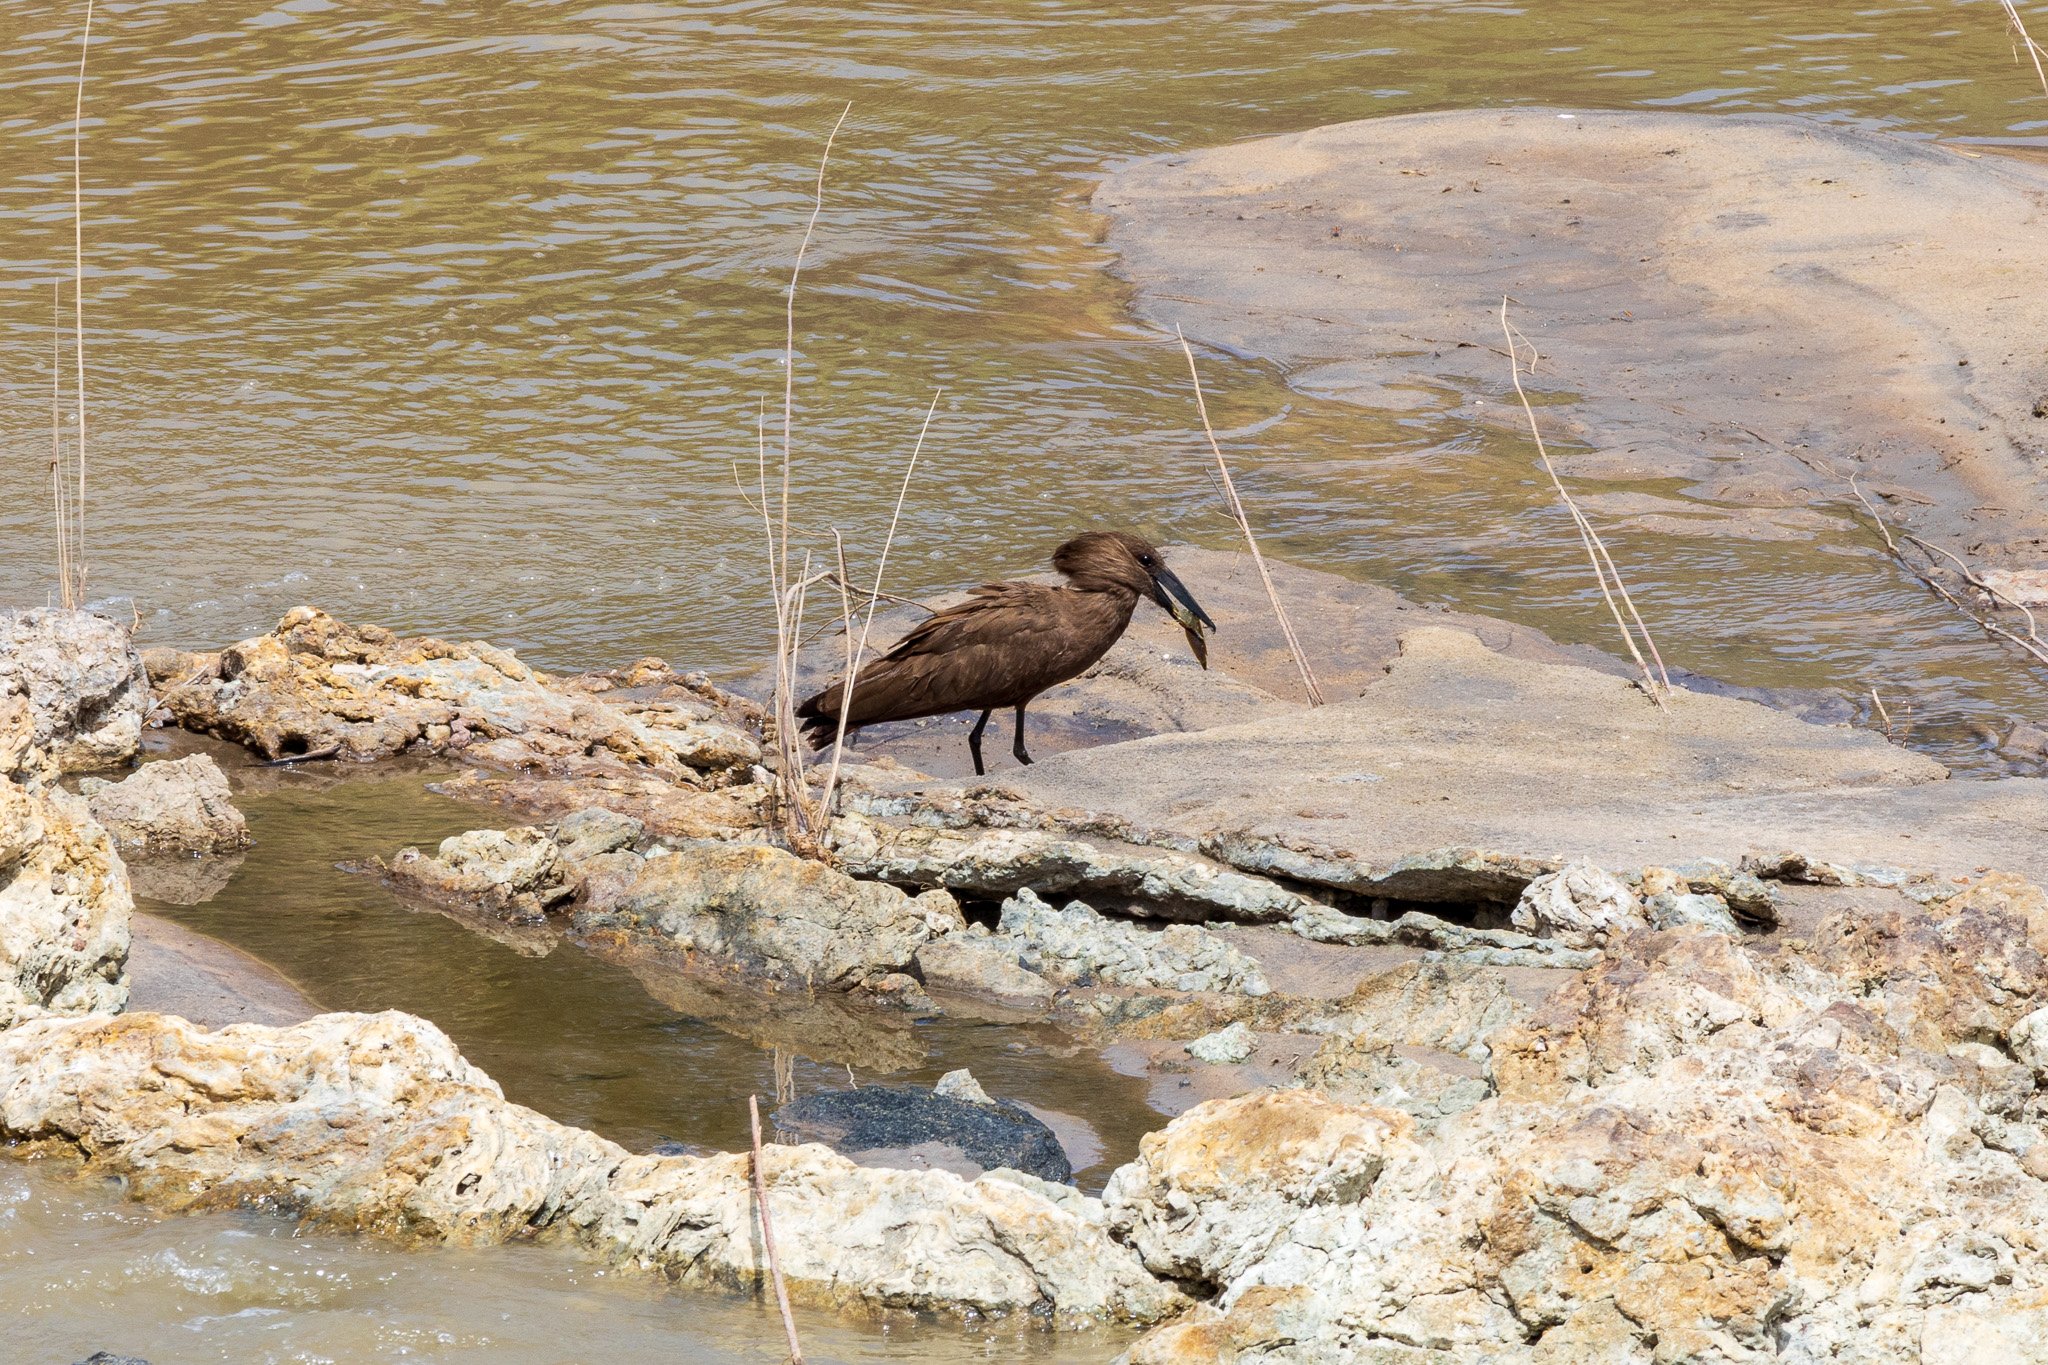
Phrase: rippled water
x=459 y=316
x=82 y=1270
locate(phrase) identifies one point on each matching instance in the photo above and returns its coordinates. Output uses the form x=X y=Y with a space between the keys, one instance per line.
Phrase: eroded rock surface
x=1701 y=1149
x=86 y=688
x=1073 y=944
x=317 y=686
x=376 y=1123
x=767 y=911
x=175 y=806
x=64 y=906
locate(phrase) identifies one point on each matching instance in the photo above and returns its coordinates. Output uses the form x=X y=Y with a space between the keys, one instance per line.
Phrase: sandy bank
x=1756 y=304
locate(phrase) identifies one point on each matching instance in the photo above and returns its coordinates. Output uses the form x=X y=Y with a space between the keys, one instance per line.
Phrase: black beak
x=1172 y=594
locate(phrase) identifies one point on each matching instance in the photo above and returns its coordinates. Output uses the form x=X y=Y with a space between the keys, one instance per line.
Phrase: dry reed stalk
x=61 y=513
x=796 y=1352
x=2024 y=40
x=789 y=328
x=1658 y=683
x=857 y=651
x=2031 y=643
x=1230 y=498
x=78 y=561
x=798 y=819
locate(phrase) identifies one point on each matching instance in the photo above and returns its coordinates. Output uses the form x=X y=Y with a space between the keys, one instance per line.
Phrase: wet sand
x=175 y=970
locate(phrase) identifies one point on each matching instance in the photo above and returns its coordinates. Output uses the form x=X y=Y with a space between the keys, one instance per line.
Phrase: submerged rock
x=766 y=911
x=176 y=806
x=376 y=1123
x=85 y=684
x=64 y=906
x=923 y=1129
x=318 y=687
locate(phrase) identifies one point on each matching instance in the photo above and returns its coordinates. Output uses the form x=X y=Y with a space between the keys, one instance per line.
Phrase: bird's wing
x=994 y=644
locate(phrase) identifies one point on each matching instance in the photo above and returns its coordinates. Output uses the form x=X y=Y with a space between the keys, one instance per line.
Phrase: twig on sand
x=796 y=1353
x=1236 y=506
x=1657 y=683
x=2031 y=643
x=857 y=650
x=2021 y=39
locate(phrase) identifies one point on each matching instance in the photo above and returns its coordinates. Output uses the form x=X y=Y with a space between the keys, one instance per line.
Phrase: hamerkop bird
x=1008 y=642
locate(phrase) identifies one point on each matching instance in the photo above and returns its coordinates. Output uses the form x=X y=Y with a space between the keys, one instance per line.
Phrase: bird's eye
x=1146 y=560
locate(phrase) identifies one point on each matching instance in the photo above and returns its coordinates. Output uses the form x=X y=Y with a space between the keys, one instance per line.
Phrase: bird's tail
x=819 y=717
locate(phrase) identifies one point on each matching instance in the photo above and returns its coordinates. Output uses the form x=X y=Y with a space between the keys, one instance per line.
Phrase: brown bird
x=1008 y=642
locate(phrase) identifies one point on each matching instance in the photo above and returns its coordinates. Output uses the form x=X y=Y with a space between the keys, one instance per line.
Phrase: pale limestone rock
x=64 y=905
x=961 y=1085
x=2030 y=1042
x=766 y=911
x=318 y=686
x=1074 y=944
x=1698 y=1151
x=1444 y=1004
x=21 y=758
x=1226 y=1045
x=1488 y=947
x=515 y=874
x=376 y=1123
x=1581 y=905
x=1367 y=1071
x=85 y=684
x=1002 y=862
x=1683 y=909
x=176 y=806
x=1208 y=1194
x=981 y=964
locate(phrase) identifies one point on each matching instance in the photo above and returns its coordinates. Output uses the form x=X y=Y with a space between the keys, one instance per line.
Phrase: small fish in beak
x=1169 y=592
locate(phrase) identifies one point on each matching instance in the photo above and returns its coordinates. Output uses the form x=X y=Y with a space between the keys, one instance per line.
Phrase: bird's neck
x=1117 y=599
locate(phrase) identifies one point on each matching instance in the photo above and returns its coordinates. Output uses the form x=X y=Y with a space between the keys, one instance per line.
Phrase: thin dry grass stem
x=796 y=1352
x=2031 y=643
x=1930 y=549
x=799 y=822
x=1236 y=506
x=789 y=328
x=1656 y=682
x=2024 y=41
x=78 y=558
x=857 y=650
x=57 y=500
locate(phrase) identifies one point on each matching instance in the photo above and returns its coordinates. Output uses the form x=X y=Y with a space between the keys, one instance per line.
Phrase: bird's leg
x=974 y=743
x=1018 y=748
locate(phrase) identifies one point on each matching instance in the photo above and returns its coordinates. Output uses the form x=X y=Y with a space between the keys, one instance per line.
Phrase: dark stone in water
x=670 y=1147
x=911 y=1128
x=109 y=1358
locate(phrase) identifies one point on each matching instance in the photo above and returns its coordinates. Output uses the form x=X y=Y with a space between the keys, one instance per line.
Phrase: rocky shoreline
x=1689 y=1063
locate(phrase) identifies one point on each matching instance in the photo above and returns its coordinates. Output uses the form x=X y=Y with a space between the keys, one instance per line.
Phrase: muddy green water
x=457 y=316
